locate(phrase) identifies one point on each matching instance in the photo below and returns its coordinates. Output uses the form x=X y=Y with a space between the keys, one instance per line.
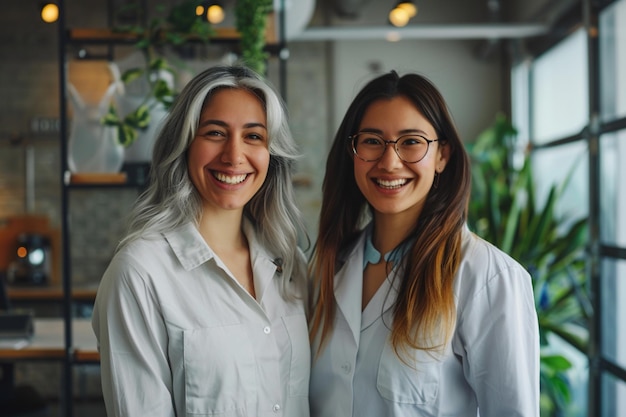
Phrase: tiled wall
x=96 y=224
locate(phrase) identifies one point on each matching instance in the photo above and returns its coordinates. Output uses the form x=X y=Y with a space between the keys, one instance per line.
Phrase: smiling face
x=391 y=186
x=228 y=158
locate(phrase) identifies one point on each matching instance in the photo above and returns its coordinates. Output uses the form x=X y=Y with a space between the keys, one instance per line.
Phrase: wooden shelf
x=98 y=178
x=105 y=35
x=48 y=342
x=50 y=293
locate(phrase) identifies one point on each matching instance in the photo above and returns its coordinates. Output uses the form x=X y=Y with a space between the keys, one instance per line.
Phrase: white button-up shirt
x=491 y=363
x=179 y=336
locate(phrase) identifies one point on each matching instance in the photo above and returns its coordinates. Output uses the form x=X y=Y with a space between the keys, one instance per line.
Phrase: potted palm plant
x=504 y=210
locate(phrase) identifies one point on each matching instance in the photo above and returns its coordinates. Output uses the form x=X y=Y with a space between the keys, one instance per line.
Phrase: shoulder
x=484 y=265
x=137 y=261
x=141 y=253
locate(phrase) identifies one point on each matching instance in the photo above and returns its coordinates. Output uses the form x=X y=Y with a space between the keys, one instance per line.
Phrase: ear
x=443 y=156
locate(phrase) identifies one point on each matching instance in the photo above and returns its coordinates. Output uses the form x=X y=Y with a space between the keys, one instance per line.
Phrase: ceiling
x=328 y=20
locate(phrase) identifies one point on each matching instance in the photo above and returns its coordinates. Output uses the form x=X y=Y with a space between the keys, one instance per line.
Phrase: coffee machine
x=31 y=265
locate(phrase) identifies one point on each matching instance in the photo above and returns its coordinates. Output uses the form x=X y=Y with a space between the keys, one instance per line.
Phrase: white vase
x=92 y=146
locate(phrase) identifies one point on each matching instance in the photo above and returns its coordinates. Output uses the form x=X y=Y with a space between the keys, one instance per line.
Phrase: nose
x=390 y=159
x=233 y=152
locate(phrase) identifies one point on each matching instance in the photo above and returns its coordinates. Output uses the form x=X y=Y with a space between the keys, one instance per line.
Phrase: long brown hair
x=424 y=310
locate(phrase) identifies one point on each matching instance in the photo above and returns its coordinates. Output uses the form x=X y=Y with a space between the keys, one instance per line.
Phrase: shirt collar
x=192 y=251
x=372 y=255
x=188 y=246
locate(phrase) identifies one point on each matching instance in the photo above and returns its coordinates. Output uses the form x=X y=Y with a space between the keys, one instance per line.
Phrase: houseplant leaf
x=504 y=210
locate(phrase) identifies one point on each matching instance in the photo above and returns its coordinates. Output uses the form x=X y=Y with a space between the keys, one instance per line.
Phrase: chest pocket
x=416 y=383
x=220 y=371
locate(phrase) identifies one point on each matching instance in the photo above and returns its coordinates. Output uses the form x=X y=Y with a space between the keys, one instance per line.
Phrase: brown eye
x=212 y=134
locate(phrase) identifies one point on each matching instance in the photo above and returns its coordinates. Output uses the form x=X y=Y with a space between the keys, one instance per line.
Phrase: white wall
x=471 y=87
x=323 y=78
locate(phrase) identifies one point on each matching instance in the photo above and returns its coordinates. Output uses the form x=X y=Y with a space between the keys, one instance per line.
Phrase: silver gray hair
x=171 y=199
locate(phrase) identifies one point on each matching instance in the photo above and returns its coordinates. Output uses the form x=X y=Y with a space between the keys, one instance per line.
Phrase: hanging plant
x=251 y=21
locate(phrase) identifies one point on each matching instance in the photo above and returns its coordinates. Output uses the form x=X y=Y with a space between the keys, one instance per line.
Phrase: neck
x=390 y=230
x=222 y=230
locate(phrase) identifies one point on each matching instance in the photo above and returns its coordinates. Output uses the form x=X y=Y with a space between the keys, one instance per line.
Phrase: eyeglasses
x=371 y=147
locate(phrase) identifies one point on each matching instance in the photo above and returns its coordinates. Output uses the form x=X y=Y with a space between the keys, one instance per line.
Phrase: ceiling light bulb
x=215 y=14
x=410 y=8
x=50 y=13
x=399 y=17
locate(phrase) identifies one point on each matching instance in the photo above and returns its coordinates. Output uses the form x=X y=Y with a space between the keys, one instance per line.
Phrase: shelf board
x=81 y=355
x=48 y=342
x=98 y=178
x=107 y=36
x=104 y=35
x=49 y=293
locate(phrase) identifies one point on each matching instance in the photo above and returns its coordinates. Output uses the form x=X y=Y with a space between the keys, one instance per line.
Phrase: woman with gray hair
x=201 y=310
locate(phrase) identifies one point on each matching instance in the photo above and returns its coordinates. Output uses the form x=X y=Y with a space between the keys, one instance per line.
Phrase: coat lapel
x=349 y=288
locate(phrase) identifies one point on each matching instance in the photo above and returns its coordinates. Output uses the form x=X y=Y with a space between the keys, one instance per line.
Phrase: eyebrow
x=224 y=124
x=401 y=132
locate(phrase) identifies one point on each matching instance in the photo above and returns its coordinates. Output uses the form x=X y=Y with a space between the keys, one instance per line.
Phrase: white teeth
x=229 y=179
x=392 y=184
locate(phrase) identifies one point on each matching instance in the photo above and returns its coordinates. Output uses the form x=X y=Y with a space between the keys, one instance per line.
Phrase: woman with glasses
x=414 y=315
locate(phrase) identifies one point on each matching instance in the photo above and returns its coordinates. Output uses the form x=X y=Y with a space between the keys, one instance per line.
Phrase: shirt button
x=276 y=408
x=267 y=330
x=346 y=367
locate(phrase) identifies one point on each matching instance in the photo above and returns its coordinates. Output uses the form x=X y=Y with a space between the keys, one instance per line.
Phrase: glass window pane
x=613 y=396
x=577 y=376
x=571 y=160
x=613 y=60
x=519 y=100
x=613 y=188
x=613 y=304
x=559 y=94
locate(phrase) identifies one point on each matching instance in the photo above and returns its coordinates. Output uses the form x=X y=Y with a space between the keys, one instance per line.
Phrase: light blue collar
x=372 y=256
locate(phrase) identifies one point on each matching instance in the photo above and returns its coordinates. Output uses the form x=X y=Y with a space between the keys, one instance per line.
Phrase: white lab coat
x=491 y=363
x=179 y=336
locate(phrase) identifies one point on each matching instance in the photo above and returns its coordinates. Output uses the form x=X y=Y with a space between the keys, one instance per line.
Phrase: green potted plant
x=179 y=26
x=251 y=19
x=503 y=210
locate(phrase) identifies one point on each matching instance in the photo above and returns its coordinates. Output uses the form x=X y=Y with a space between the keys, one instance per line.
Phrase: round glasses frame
x=354 y=137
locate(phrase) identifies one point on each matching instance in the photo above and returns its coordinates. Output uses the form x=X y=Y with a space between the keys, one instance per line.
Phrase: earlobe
x=444 y=157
